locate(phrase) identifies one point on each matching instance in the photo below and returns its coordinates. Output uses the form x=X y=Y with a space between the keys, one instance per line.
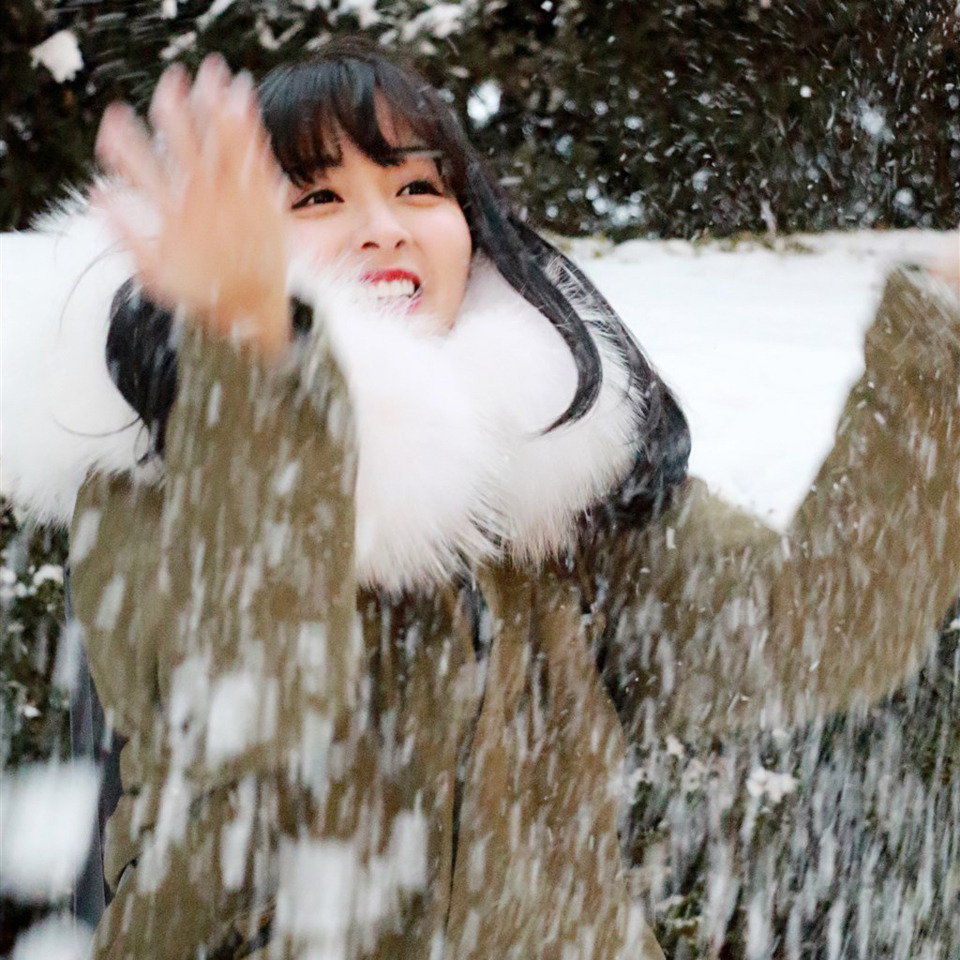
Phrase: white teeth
x=389 y=289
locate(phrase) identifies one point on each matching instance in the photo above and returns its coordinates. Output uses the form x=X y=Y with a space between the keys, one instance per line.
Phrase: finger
x=124 y=148
x=117 y=211
x=235 y=120
x=241 y=100
x=265 y=159
x=209 y=90
x=260 y=167
x=172 y=118
x=242 y=134
x=263 y=169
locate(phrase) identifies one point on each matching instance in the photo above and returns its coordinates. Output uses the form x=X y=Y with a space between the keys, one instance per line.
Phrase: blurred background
x=618 y=119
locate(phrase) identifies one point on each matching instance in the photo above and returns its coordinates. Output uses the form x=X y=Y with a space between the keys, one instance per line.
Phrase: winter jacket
x=327 y=757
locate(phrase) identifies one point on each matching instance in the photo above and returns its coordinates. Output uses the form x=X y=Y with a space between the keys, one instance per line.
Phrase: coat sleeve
x=221 y=604
x=221 y=623
x=717 y=620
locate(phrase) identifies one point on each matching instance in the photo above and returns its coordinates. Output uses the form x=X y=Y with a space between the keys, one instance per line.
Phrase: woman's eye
x=315 y=198
x=419 y=187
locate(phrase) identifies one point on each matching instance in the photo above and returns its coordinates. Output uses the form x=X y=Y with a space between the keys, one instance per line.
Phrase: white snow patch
x=8 y=585
x=47 y=814
x=86 y=536
x=59 y=937
x=48 y=573
x=364 y=10
x=286 y=479
x=213 y=11
x=60 y=54
x=695 y=776
x=484 y=102
x=675 y=747
x=408 y=849
x=234 y=716
x=904 y=197
x=701 y=179
x=760 y=345
x=317 y=881
x=66 y=669
x=235 y=835
x=326 y=892
x=111 y=601
x=438 y=21
x=178 y=45
x=874 y=121
x=763 y=783
x=213 y=404
x=172 y=821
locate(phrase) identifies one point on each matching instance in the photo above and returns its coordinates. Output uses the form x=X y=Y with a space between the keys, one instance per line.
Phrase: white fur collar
x=453 y=464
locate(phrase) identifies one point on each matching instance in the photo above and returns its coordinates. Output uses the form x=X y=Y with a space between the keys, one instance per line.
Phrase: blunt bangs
x=308 y=107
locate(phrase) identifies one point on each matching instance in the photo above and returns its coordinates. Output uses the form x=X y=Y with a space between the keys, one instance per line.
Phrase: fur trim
x=453 y=464
x=60 y=414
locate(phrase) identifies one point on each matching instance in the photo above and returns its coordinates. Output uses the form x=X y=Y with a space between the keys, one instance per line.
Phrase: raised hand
x=215 y=193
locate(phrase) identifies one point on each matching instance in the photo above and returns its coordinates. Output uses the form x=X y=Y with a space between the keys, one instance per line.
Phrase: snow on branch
x=60 y=54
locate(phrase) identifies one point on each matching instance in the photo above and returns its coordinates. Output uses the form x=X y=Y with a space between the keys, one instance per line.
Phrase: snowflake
x=60 y=54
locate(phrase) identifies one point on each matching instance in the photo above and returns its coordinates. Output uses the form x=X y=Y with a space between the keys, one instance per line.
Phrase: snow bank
x=760 y=345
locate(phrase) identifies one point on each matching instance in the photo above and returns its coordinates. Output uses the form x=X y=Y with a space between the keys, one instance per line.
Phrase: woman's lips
x=392 y=275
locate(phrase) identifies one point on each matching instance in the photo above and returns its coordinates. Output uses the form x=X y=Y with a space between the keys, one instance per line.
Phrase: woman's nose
x=381 y=229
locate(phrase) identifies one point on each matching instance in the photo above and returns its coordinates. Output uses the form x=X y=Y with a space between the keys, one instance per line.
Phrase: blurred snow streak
x=47 y=813
x=56 y=938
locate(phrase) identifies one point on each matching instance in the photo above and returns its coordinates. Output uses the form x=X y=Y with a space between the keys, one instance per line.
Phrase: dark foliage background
x=621 y=116
x=627 y=118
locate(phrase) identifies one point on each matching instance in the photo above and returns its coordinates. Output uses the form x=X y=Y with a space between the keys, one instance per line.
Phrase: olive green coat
x=317 y=771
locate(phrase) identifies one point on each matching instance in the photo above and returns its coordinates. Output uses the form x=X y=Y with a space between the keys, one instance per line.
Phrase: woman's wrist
x=263 y=322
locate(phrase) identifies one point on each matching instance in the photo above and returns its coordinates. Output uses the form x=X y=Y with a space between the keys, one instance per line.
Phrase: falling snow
x=46 y=821
x=60 y=54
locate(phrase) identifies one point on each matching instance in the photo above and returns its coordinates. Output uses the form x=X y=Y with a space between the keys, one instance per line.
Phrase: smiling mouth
x=391 y=291
x=392 y=287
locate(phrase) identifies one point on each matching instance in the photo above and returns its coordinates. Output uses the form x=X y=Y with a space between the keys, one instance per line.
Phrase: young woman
x=403 y=563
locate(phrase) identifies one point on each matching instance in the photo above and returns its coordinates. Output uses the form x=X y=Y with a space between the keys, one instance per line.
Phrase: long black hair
x=307 y=107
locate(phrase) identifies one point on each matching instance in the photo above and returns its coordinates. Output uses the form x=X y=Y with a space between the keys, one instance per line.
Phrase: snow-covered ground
x=761 y=346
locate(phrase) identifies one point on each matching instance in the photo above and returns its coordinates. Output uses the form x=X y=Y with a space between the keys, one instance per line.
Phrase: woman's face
x=406 y=234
